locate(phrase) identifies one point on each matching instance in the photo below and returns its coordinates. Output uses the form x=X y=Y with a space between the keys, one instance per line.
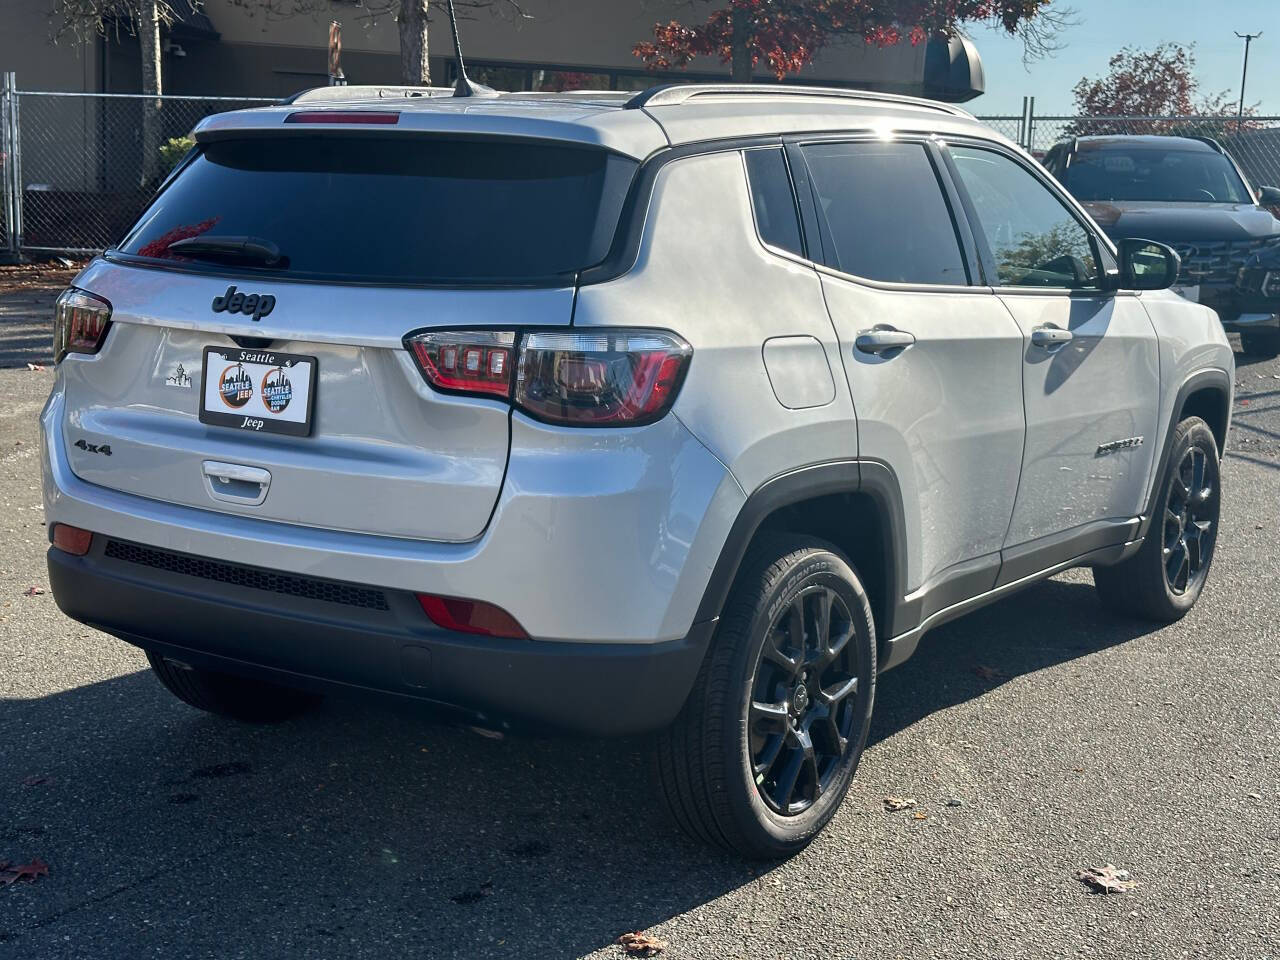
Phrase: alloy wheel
x=804 y=696
x=1190 y=521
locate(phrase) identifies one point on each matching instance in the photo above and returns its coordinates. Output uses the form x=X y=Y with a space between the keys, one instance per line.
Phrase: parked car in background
x=1187 y=192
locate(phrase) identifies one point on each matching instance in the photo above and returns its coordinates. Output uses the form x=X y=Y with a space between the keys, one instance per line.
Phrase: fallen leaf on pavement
x=919 y=816
x=1106 y=879
x=989 y=673
x=33 y=591
x=894 y=804
x=13 y=872
x=35 y=781
x=638 y=944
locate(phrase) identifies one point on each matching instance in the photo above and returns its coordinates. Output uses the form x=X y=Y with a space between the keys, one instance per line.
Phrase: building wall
x=26 y=49
x=257 y=55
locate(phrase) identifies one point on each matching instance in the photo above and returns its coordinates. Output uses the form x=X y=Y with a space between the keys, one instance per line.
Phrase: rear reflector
x=344 y=116
x=471 y=616
x=71 y=539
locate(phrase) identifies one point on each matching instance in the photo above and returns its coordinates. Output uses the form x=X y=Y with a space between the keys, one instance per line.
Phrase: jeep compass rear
x=683 y=414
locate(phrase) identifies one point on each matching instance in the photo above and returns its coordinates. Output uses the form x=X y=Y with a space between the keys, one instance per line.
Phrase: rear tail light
x=80 y=322
x=605 y=378
x=477 y=361
x=471 y=616
x=598 y=379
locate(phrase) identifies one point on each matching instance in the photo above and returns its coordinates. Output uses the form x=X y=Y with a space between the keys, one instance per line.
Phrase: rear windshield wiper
x=253 y=250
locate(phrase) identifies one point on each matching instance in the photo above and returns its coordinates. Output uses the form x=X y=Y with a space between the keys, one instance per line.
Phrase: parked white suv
x=687 y=413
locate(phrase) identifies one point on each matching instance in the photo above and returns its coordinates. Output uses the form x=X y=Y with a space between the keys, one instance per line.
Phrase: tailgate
x=386 y=454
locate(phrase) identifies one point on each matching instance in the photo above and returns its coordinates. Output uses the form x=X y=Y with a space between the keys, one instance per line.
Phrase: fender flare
x=1212 y=377
x=872 y=478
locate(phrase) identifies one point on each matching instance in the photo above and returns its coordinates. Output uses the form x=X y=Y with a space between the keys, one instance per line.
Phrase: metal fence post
x=10 y=181
x=1031 y=124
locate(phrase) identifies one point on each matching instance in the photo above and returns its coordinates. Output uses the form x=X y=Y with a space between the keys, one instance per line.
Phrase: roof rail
x=672 y=94
x=340 y=94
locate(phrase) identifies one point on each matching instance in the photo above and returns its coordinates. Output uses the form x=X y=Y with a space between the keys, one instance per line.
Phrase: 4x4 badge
x=256 y=305
x=102 y=448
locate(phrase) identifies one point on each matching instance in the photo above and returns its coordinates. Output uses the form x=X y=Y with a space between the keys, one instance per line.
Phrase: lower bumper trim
x=606 y=689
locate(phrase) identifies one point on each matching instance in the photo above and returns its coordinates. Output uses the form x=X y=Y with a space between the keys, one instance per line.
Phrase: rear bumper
x=601 y=535
x=345 y=637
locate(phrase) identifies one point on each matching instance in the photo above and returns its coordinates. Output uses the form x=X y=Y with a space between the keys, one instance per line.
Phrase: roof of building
x=635 y=125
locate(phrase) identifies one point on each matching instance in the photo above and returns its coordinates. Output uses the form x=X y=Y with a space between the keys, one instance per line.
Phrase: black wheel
x=1164 y=578
x=229 y=696
x=1260 y=343
x=766 y=746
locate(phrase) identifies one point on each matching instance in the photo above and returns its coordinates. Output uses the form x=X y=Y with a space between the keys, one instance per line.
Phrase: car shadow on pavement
x=364 y=826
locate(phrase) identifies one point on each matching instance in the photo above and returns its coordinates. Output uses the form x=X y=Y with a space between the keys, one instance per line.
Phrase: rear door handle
x=236 y=483
x=1048 y=337
x=883 y=340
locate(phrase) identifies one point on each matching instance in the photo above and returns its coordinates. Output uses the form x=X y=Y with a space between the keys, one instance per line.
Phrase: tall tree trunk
x=742 y=66
x=415 y=68
x=149 y=44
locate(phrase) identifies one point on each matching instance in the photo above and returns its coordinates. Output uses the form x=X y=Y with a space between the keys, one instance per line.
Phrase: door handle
x=1049 y=337
x=883 y=340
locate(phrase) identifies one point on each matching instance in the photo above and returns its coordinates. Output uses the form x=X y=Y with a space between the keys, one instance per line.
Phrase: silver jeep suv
x=684 y=414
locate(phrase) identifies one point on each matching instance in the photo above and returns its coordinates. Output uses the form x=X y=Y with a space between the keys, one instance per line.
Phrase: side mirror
x=1269 y=196
x=1147 y=265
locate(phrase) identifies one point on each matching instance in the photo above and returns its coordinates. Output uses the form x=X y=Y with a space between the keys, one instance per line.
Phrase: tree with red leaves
x=1147 y=83
x=786 y=34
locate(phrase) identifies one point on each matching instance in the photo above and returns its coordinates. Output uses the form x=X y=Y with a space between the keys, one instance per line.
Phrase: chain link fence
x=76 y=171
x=75 y=174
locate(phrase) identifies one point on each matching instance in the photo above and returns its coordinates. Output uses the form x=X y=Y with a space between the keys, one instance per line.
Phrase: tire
x=1163 y=580
x=1260 y=343
x=746 y=705
x=239 y=698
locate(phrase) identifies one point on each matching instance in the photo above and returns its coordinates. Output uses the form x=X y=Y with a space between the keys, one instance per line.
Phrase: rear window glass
x=882 y=213
x=397 y=210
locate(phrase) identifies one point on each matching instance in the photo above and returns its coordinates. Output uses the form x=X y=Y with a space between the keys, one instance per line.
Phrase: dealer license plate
x=258 y=390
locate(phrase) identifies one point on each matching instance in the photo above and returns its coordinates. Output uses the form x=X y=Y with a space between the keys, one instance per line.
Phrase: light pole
x=1248 y=38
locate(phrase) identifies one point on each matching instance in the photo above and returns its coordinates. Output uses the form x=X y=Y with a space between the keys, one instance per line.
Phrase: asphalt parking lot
x=1070 y=739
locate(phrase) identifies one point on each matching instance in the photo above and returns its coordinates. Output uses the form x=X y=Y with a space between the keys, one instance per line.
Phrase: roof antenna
x=465 y=87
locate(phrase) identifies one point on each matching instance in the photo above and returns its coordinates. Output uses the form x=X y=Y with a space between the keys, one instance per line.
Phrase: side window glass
x=882 y=213
x=1035 y=240
x=775 y=204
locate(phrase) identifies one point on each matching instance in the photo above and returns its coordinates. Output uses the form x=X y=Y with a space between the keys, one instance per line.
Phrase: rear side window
x=882 y=213
x=775 y=205
x=398 y=210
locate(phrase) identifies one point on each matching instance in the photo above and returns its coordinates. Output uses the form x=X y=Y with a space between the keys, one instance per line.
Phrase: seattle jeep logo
x=277 y=391
x=256 y=305
x=235 y=386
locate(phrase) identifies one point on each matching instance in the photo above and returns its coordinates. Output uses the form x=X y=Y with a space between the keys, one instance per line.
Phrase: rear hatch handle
x=236 y=483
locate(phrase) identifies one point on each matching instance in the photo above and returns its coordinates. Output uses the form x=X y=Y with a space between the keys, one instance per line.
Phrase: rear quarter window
x=777 y=218
x=398 y=209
